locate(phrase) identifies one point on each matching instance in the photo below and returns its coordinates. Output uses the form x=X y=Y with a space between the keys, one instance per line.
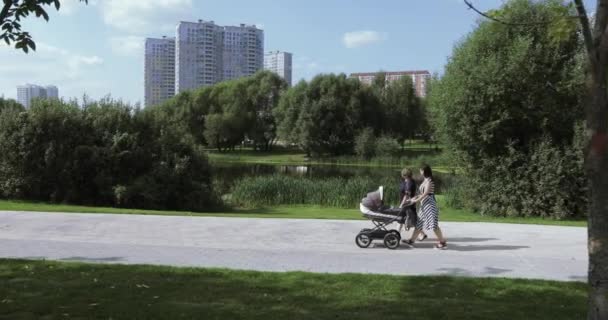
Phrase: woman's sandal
x=441 y=245
x=423 y=237
x=408 y=242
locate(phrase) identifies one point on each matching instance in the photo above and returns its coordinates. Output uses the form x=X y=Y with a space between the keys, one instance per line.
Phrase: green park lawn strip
x=67 y=290
x=293 y=212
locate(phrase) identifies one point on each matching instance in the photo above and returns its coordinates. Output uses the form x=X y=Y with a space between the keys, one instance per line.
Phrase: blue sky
x=98 y=49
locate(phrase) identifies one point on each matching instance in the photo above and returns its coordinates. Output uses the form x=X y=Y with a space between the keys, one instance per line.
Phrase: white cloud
x=49 y=65
x=356 y=39
x=127 y=45
x=142 y=15
x=68 y=7
x=73 y=61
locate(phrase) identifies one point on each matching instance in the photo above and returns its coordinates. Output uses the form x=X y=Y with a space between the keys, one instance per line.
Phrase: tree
x=596 y=43
x=325 y=115
x=264 y=91
x=11 y=14
x=403 y=109
x=596 y=160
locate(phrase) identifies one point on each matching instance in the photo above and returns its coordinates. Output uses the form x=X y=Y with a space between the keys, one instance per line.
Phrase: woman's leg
x=439 y=234
x=415 y=235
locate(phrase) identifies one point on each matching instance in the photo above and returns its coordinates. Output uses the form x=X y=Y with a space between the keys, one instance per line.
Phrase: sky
x=97 y=49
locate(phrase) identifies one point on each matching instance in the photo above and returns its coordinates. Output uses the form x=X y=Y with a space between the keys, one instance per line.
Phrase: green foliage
x=285 y=190
x=331 y=192
x=507 y=106
x=10 y=105
x=326 y=115
x=227 y=114
x=365 y=144
x=403 y=109
x=105 y=153
x=11 y=14
x=387 y=146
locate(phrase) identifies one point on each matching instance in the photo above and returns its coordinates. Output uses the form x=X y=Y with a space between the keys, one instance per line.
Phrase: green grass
x=53 y=290
x=293 y=212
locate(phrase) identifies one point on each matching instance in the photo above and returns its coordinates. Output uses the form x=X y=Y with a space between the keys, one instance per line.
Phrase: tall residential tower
x=207 y=53
x=159 y=70
x=27 y=92
x=279 y=63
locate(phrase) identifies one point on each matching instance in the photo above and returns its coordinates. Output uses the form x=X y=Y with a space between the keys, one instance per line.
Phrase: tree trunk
x=597 y=166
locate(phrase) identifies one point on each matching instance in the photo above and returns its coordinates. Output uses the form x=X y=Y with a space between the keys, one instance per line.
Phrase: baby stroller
x=381 y=216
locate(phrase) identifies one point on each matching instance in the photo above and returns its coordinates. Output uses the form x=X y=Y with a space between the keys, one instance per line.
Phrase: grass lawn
x=53 y=290
x=294 y=212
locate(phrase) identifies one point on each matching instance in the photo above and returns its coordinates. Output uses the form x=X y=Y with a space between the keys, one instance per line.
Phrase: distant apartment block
x=26 y=93
x=420 y=79
x=243 y=51
x=279 y=63
x=159 y=70
x=206 y=53
x=198 y=55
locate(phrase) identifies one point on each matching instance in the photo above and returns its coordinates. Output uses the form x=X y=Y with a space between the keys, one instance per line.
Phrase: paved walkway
x=475 y=249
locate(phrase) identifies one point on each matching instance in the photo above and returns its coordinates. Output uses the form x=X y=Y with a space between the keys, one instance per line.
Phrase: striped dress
x=428 y=215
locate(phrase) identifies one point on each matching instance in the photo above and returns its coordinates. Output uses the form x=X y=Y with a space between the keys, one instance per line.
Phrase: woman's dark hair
x=426 y=171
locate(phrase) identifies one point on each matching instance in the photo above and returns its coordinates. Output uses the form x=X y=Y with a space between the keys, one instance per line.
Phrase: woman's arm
x=426 y=192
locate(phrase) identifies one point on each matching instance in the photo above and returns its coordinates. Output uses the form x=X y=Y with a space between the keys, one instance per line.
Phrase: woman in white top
x=429 y=211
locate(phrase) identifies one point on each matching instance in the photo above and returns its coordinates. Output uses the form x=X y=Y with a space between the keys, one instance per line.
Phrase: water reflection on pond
x=231 y=172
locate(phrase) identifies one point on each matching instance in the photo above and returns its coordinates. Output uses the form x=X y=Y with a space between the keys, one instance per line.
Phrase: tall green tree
x=12 y=14
x=511 y=95
x=325 y=115
x=595 y=37
x=403 y=109
x=264 y=91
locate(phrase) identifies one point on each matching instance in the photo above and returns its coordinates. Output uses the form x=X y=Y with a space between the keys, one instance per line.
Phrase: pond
x=226 y=174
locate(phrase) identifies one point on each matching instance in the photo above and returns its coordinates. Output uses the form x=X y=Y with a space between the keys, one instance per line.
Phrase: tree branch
x=587 y=35
x=487 y=16
x=508 y=23
x=4 y=13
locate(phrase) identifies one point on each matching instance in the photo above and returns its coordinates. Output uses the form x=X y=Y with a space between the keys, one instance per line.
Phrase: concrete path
x=475 y=249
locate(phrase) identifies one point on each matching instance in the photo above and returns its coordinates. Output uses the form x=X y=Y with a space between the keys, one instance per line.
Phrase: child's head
x=406 y=173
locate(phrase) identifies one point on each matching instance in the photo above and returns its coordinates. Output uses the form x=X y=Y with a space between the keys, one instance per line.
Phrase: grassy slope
x=294 y=212
x=48 y=290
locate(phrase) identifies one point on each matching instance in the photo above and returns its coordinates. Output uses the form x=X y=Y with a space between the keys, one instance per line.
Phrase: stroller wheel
x=391 y=241
x=363 y=240
x=395 y=232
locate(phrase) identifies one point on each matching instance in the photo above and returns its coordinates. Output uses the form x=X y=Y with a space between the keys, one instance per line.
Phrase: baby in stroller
x=373 y=208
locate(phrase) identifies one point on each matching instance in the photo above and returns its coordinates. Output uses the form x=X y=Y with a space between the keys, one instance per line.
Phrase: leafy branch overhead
x=12 y=14
x=561 y=24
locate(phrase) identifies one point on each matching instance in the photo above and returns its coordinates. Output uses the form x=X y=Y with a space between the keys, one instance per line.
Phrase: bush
x=550 y=182
x=105 y=153
x=387 y=147
x=365 y=144
x=507 y=106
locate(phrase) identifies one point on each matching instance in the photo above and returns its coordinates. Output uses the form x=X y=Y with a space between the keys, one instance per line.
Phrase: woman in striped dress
x=428 y=214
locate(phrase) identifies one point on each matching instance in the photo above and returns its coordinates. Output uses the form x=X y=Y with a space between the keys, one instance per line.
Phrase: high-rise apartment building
x=159 y=70
x=279 y=63
x=26 y=93
x=243 y=51
x=206 y=53
x=198 y=55
x=420 y=79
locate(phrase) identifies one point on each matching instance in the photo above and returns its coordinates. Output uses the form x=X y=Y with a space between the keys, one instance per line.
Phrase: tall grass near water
x=287 y=190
